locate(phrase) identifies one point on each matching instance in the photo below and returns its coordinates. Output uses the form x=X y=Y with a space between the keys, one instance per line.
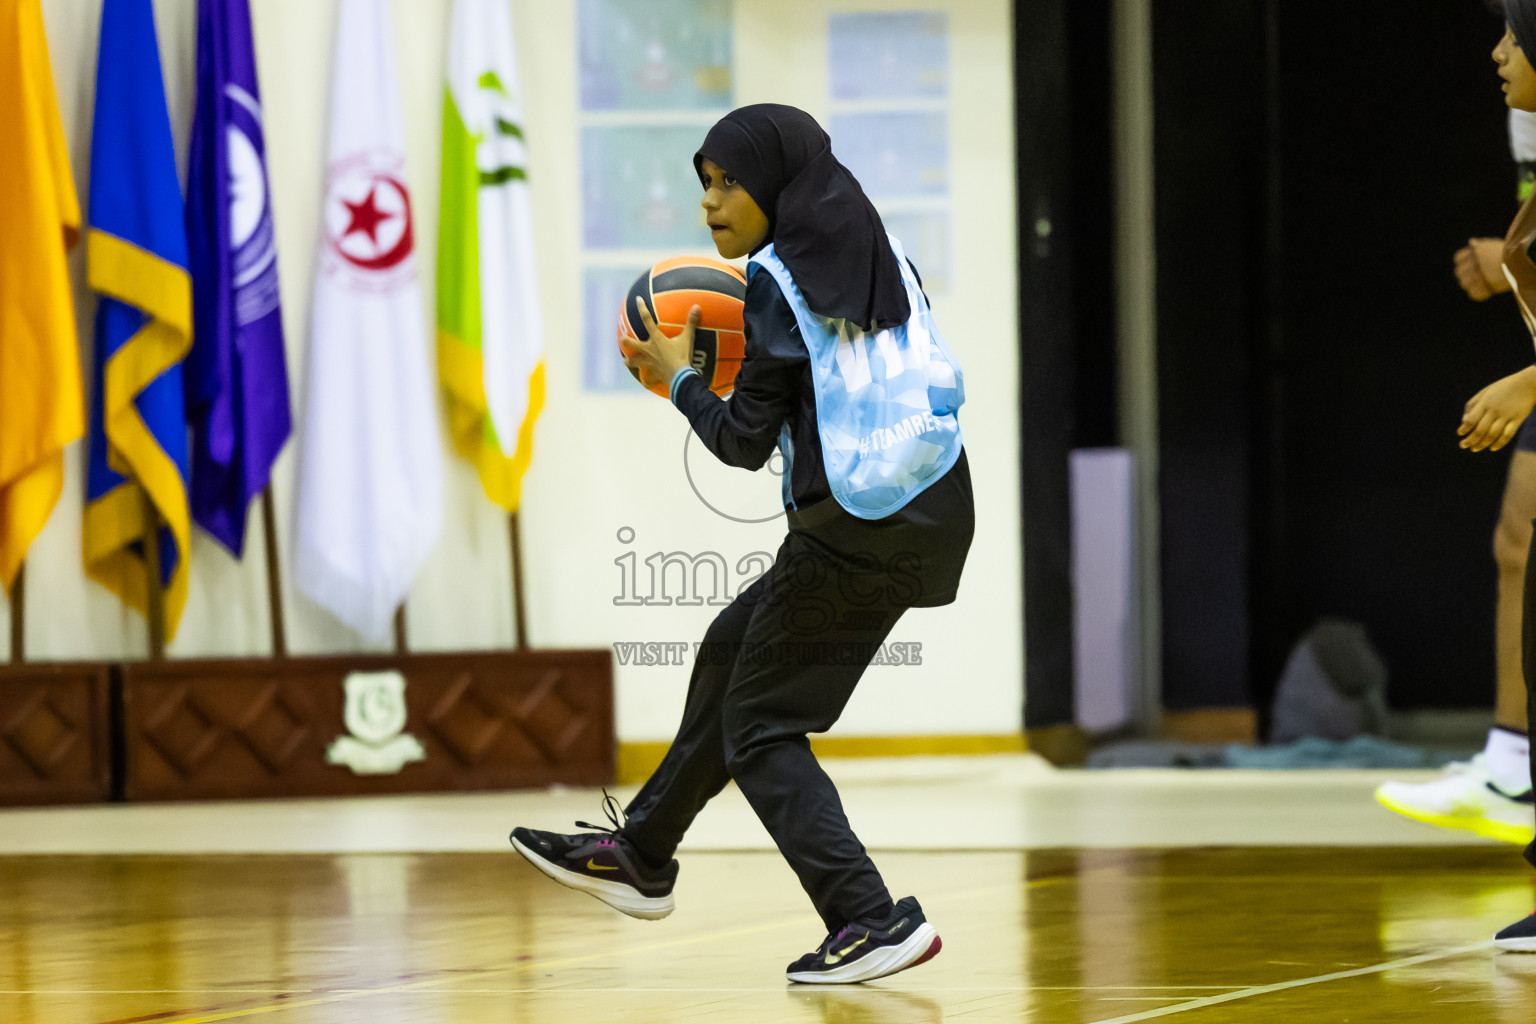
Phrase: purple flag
x=237 y=379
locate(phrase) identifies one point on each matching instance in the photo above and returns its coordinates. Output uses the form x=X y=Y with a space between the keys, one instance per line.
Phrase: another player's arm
x=1479 y=268
x=1480 y=263
x=1493 y=416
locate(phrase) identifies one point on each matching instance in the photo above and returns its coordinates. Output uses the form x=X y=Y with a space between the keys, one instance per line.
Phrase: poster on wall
x=655 y=74
x=638 y=187
x=895 y=154
x=655 y=54
x=888 y=75
x=888 y=55
x=603 y=292
x=924 y=234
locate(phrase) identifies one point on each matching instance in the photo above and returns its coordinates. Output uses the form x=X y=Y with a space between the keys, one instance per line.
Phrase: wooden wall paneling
x=55 y=743
x=262 y=728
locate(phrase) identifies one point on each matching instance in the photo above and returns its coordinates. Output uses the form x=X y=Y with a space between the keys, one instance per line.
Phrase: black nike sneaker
x=601 y=863
x=864 y=951
x=1519 y=937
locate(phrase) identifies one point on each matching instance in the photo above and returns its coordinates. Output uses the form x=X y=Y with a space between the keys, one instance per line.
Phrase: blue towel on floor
x=1358 y=752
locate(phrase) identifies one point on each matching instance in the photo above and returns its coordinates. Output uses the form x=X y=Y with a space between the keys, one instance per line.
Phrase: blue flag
x=237 y=378
x=137 y=261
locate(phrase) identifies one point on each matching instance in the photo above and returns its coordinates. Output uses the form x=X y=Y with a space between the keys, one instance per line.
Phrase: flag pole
x=274 y=575
x=155 y=599
x=401 y=646
x=518 y=618
x=19 y=616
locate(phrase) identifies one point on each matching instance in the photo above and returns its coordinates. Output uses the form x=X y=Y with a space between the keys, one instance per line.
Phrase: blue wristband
x=672 y=390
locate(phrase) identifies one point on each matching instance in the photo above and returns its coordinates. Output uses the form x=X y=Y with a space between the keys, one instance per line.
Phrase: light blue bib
x=886 y=402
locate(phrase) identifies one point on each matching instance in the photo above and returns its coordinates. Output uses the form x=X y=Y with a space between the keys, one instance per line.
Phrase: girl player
x=845 y=373
x=1491 y=793
x=1494 y=415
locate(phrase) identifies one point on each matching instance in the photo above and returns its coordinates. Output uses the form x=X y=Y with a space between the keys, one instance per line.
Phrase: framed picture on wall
x=655 y=74
x=888 y=77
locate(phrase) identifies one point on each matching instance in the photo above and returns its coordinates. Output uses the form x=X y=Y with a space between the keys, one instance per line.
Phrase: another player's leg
x=1511 y=548
x=805 y=650
x=1491 y=794
x=630 y=866
x=1520 y=937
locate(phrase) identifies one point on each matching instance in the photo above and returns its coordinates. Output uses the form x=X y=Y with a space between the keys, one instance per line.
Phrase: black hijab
x=820 y=222
x=1521 y=15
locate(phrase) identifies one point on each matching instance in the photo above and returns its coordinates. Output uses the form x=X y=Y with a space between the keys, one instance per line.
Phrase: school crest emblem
x=375 y=717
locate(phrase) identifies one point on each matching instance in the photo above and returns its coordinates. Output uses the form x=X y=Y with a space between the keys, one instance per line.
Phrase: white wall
x=602 y=462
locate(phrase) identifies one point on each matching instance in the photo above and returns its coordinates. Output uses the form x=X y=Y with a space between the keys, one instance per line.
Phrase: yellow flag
x=41 y=406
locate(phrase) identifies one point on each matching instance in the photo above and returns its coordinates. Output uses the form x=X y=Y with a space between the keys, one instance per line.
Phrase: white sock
x=1508 y=756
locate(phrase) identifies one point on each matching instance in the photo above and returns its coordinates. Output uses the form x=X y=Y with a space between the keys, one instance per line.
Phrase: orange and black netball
x=673 y=287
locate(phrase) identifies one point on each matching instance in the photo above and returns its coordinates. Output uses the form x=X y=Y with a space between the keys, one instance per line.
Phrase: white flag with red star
x=370 y=499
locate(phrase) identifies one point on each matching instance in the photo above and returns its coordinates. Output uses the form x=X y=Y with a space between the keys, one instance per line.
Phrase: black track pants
x=780 y=662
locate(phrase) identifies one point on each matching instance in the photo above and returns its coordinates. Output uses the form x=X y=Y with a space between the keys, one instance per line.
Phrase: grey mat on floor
x=1309 y=752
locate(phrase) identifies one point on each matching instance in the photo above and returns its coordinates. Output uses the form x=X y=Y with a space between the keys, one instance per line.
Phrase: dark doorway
x=1312 y=375
x=1316 y=167
x=1392 y=152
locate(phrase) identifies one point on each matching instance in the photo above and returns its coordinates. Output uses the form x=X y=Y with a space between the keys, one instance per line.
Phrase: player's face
x=1515 y=68
x=736 y=223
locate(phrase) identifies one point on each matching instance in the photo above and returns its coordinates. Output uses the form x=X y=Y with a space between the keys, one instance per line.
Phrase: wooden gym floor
x=1226 y=934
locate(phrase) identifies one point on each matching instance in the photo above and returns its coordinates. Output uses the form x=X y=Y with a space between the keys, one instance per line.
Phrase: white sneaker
x=1464 y=797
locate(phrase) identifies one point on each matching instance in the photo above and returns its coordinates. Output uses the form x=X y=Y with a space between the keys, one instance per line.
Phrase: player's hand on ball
x=1479 y=268
x=642 y=374
x=658 y=356
x=1493 y=416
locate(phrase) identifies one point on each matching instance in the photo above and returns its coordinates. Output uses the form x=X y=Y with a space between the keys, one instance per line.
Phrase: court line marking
x=1248 y=993
x=1137 y=999
x=557 y=991
x=346 y=995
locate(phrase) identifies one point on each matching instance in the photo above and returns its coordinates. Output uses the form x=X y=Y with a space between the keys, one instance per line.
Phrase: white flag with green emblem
x=490 y=343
